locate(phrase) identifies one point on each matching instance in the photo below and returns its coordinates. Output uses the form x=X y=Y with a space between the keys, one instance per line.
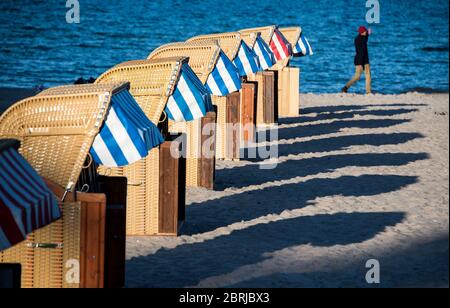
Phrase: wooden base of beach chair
x=152 y=183
x=266 y=111
x=288 y=92
x=172 y=191
x=200 y=168
x=228 y=142
x=208 y=143
x=68 y=253
x=248 y=110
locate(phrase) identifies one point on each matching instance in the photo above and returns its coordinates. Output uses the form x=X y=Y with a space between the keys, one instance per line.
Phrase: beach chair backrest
x=229 y=42
x=152 y=82
x=57 y=128
x=202 y=56
x=292 y=34
x=248 y=35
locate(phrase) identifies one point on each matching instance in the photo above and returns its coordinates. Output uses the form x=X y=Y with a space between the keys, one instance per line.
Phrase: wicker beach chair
x=249 y=35
x=57 y=129
x=202 y=59
x=152 y=82
x=289 y=78
x=265 y=111
x=227 y=146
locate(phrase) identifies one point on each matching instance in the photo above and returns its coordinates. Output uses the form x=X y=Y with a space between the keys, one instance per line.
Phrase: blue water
x=409 y=48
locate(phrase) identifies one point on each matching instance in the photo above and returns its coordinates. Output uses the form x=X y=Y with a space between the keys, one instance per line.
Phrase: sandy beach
x=359 y=178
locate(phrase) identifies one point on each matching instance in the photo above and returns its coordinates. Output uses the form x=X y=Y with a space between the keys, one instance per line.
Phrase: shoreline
x=11 y=95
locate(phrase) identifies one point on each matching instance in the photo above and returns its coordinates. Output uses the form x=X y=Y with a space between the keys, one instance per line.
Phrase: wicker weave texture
x=47 y=267
x=152 y=82
x=229 y=42
x=266 y=33
x=202 y=56
x=142 y=193
x=221 y=103
x=57 y=128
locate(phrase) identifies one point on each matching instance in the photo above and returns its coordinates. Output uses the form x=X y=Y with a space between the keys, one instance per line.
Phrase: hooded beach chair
x=289 y=77
x=259 y=40
x=225 y=83
x=58 y=130
x=202 y=59
x=164 y=88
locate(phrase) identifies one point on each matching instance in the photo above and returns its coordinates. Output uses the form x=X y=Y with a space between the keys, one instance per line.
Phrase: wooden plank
x=168 y=191
x=92 y=243
x=270 y=102
x=208 y=163
x=181 y=198
x=294 y=89
x=115 y=189
x=248 y=110
x=233 y=121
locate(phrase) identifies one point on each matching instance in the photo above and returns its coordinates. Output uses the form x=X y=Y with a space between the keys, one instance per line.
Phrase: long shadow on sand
x=187 y=265
x=343 y=108
x=246 y=206
x=423 y=265
x=312 y=130
x=347 y=115
x=253 y=175
x=332 y=144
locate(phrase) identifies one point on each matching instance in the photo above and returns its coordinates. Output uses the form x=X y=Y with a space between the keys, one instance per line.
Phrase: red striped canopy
x=280 y=46
x=26 y=203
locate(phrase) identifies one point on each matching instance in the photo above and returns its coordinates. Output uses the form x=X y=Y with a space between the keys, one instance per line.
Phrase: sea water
x=408 y=48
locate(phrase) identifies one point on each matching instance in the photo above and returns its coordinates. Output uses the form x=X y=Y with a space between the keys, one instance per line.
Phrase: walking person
x=361 y=60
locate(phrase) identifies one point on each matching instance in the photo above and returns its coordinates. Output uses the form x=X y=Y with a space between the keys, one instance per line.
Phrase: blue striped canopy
x=127 y=134
x=246 y=61
x=26 y=203
x=303 y=48
x=265 y=55
x=190 y=100
x=225 y=78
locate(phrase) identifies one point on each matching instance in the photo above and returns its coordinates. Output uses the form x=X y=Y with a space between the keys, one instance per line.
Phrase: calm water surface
x=409 y=48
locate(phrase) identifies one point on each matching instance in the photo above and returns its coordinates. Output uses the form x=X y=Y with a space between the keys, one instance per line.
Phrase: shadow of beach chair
x=200 y=168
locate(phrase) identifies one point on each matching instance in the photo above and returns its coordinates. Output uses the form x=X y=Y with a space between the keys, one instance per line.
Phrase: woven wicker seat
x=57 y=128
x=152 y=82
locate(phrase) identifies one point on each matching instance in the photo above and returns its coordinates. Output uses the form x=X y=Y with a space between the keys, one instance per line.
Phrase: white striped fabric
x=246 y=61
x=127 y=134
x=225 y=78
x=263 y=52
x=303 y=48
x=26 y=203
x=190 y=100
x=280 y=46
